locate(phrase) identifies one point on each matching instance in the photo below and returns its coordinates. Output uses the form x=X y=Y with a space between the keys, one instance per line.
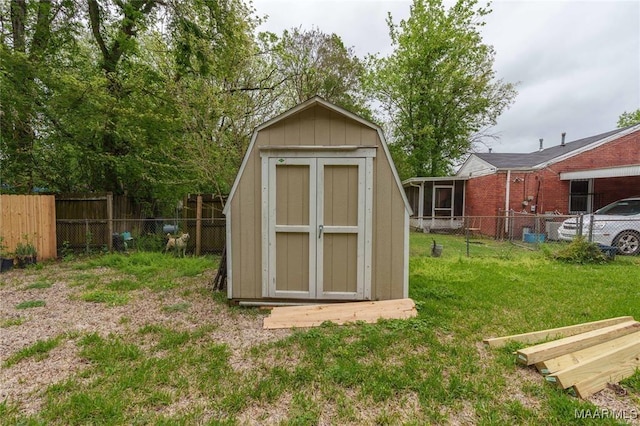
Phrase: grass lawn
x=429 y=370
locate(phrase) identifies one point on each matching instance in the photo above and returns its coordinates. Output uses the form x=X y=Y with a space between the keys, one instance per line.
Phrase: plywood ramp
x=339 y=313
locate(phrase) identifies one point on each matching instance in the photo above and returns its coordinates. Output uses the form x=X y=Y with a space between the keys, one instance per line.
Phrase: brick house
x=569 y=178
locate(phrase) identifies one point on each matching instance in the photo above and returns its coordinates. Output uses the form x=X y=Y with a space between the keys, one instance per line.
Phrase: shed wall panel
x=341 y=208
x=292 y=269
x=339 y=263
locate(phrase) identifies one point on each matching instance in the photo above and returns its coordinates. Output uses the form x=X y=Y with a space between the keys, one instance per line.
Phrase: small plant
x=66 y=252
x=26 y=252
x=6 y=258
x=582 y=252
x=3 y=248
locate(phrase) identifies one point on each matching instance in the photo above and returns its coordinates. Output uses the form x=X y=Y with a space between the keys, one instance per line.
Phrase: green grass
x=178 y=307
x=38 y=350
x=431 y=369
x=108 y=297
x=11 y=322
x=39 y=284
x=28 y=304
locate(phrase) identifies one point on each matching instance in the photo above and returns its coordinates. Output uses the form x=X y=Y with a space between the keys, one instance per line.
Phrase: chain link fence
x=619 y=235
x=96 y=235
x=93 y=235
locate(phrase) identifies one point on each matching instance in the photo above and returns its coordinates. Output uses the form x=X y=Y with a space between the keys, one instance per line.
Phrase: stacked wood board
x=584 y=357
x=339 y=313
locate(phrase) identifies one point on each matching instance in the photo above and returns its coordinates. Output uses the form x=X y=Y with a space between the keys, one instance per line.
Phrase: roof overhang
x=415 y=180
x=608 y=172
x=589 y=147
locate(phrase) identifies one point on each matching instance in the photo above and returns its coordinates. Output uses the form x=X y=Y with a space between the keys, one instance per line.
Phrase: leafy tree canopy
x=629 y=118
x=438 y=87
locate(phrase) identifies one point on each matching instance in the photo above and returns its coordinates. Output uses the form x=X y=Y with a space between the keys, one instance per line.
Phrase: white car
x=617 y=225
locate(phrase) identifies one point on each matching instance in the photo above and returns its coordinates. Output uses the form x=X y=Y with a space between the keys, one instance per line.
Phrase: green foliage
x=439 y=87
x=4 y=253
x=581 y=251
x=25 y=248
x=629 y=118
x=315 y=63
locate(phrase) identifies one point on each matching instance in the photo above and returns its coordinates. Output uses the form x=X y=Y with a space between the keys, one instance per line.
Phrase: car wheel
x=628 y=242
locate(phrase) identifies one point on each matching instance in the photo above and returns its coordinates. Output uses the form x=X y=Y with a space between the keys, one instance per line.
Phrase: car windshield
x=621 y=208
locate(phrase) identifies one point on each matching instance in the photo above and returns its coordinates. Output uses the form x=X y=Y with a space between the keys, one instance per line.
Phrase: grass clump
x=39 y=284
x=582 y=252
x=108 y=297
x=11 y=322
x=39 y=350
x=31 y=304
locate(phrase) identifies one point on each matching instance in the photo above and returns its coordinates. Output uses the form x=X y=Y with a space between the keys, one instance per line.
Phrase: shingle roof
x=514 y=160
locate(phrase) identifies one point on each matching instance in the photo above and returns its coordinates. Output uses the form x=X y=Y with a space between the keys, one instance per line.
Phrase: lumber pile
x=339 y=313
x=585 y=357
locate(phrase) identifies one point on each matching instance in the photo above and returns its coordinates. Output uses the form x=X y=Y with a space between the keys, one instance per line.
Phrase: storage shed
x=317 y=212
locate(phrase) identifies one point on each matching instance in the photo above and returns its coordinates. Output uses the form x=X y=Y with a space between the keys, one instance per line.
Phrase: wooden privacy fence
x=32 y=218
x=89 y=221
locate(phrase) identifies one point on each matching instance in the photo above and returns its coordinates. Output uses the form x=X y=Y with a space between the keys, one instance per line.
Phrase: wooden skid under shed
x=586 y=361
x=339 y=313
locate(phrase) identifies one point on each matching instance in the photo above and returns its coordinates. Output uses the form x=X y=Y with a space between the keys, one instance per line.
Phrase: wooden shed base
x=598 y=354
x=339 y=313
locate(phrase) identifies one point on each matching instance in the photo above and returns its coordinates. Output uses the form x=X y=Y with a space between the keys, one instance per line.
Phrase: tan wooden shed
x=317 y=212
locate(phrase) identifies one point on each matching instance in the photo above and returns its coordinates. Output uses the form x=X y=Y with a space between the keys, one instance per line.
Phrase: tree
x=629 y=118
x=438 y=87
x=35 y=40
x=314 y=63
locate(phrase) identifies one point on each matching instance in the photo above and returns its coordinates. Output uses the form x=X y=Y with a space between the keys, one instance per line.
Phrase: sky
x=577 y=63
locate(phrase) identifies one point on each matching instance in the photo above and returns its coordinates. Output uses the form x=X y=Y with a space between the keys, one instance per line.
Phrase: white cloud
x=578 y=62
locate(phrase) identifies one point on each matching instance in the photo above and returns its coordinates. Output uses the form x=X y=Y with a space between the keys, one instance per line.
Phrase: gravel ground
x=24 y=382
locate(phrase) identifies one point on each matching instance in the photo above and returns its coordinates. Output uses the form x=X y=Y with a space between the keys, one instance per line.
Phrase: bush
x=582 y=252
x=151 y=242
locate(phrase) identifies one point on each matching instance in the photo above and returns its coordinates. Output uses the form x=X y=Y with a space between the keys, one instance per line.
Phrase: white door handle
x=320 y=229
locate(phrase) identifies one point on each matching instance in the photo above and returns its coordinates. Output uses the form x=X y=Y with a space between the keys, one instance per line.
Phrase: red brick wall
x=485 y=195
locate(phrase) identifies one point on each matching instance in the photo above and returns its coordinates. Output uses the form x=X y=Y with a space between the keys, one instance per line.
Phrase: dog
x=179 y=244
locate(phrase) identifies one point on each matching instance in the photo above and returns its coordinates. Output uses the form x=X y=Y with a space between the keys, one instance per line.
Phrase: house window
x=443 y=201
x=580 y=196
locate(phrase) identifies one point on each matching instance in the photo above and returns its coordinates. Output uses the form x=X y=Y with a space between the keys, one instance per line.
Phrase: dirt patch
x=65 y=316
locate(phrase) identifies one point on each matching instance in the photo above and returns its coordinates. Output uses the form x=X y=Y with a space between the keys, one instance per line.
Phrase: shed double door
x=316 y=228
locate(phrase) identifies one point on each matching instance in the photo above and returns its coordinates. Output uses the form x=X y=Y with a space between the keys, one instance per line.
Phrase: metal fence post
x=110 y=220
x=591 y=228
x=466 y=233
x=198 y=224
x=580 y=224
